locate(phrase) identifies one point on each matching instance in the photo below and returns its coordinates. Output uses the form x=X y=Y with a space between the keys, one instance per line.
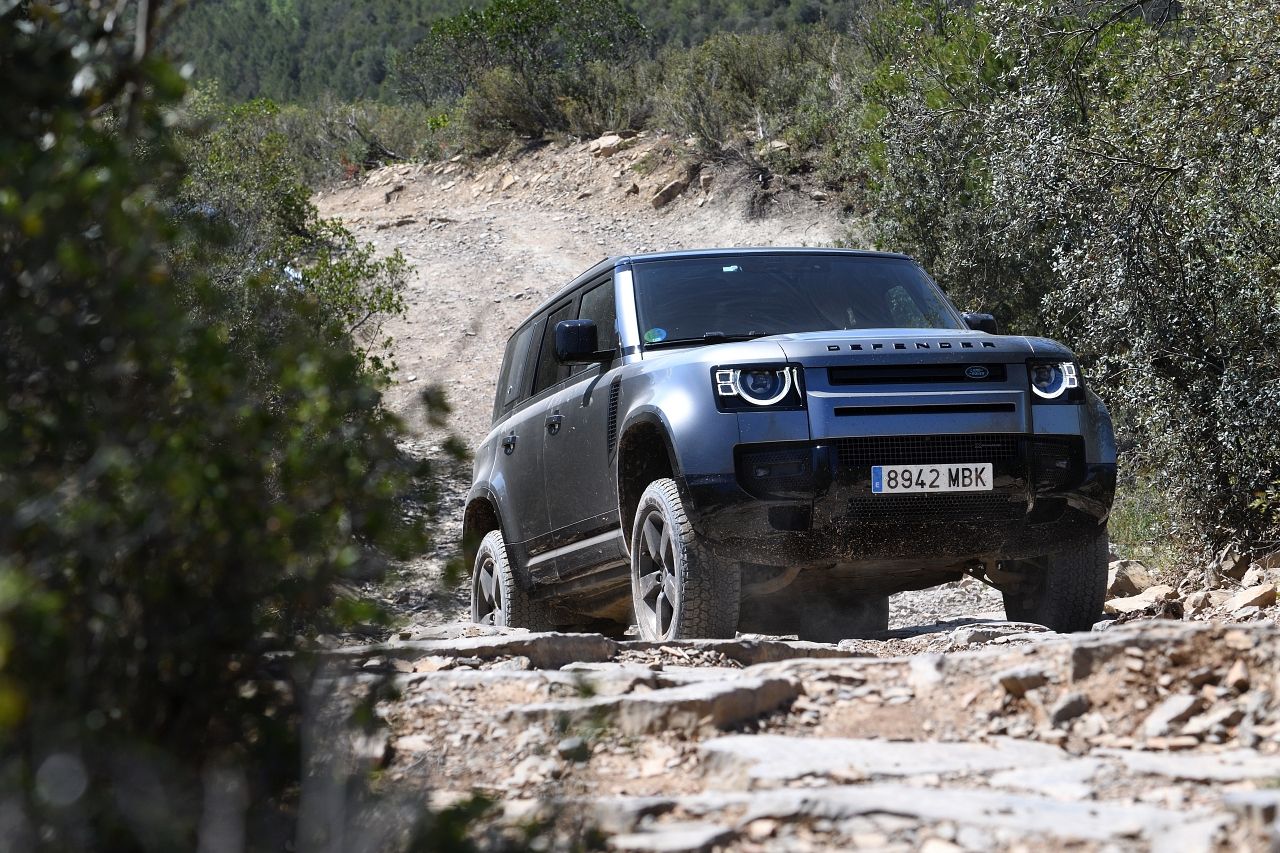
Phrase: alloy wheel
x=659 y=593
x=486 y=595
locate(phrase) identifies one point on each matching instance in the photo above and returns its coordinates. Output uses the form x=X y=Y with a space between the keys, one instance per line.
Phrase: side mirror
x=982 y=323
x=576 y=343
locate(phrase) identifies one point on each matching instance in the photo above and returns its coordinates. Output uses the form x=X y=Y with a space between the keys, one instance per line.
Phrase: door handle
x=553 y=423
x=509 y=444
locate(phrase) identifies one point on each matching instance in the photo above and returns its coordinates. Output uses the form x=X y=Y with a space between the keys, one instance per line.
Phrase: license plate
x=893 y=479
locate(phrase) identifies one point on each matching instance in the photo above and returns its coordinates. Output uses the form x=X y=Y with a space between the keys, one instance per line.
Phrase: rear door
x=581 y=495
x=518 y=469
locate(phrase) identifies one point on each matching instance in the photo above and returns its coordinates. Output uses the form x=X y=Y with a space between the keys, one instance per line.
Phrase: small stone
x=1127 y=577
x=1224 y=716
x=762 y=829
x=1134 y=603
x=1230 y=563
x=605 y=146
x=1238 y=677
x=1067 y=708
x=1263 y=595
x=704 y=182
x=1254 y=577
x=574 y=749
x=1175 y=709
x=669 y=192
x=1197 y=603
x=1019 y=680
x=634 y=189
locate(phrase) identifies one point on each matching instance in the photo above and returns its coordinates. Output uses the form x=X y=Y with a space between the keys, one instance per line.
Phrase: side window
x=597 y=304
x=514 y=370
x=551 y=371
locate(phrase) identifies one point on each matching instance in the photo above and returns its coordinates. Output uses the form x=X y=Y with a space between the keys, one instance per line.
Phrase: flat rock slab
x=717 y=703
x=676 y=837
x=750 y=651
x=1031 y=817
x=1234 y=766
x=544 y=651
x=747 y=760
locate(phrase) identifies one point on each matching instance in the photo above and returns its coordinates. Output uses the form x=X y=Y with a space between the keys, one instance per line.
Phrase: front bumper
x=810 y=503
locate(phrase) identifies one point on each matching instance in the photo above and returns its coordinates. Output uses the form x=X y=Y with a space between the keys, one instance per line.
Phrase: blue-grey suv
x=777 y=439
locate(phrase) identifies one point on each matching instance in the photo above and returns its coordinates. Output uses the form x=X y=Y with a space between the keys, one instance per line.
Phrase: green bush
x=524 y=67
x=1107 y=175
x=737 y=93
x=243 y=180
x=179 y=489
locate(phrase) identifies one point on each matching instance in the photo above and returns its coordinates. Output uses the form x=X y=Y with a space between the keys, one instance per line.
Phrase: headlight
x=1051 y=380
x=758 y=387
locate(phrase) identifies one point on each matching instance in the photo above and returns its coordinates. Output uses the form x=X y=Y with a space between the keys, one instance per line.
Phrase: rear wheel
x=676 y=590
x=496 y=598
x=1064 y=592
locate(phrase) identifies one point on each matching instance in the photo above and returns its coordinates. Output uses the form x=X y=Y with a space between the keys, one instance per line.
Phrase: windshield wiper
x=707 y=338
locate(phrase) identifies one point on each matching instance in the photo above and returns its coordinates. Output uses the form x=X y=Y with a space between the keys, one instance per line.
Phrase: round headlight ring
x=1062 y=376
x=783 y=374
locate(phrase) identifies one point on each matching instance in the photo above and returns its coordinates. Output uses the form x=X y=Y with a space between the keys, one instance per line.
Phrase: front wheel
x=1064 y=592
x=677 y=592
x=496 y=598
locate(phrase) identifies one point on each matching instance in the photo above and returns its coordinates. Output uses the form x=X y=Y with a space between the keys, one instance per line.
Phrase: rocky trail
x=953 y=731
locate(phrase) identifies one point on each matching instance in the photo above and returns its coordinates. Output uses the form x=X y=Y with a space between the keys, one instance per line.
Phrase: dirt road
x=955 y=731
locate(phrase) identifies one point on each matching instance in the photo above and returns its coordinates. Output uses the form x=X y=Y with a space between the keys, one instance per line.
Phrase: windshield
x=732 y=296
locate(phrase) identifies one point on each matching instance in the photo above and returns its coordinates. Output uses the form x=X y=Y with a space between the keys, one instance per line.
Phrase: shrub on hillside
x=179 y=489
x=1108 y=172
x=243 y=183
x=518 y=65
x=737 y=93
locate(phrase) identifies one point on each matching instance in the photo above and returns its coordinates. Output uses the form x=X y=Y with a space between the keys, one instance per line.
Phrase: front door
x=582 y=498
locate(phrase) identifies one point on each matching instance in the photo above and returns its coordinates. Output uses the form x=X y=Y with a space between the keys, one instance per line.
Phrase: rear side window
x=511 y=380
x=551 y=371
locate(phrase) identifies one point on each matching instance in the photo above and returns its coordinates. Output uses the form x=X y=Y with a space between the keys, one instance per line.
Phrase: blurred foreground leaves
x=192 y=448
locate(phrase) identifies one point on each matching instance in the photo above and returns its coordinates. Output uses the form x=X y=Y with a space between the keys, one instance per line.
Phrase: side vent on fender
x=615 y=388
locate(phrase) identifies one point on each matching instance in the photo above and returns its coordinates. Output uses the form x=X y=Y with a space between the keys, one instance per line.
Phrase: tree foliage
x=305 y=50
x=518 y=62
x=1108 y=172
x=180 y=486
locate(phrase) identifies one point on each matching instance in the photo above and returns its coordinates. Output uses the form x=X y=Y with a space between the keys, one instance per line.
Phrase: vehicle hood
x=913 y=346
x=871 y=346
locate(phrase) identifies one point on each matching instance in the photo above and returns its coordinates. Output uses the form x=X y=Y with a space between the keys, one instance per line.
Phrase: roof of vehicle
x=615 y=261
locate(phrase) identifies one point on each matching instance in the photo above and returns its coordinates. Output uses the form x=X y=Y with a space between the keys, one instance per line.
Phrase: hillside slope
x=488 y=242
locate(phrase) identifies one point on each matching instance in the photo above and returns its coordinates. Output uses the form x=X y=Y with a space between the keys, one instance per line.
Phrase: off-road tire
x=1065 y=592
x=517 y=609
x=707 y=593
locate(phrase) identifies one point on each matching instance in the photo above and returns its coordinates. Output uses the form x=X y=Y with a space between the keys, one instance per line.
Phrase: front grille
x=863 y=452
x=945 y=506
x=914 y=374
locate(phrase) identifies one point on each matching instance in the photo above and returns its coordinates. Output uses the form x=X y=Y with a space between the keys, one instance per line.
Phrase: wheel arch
x=480 y=517
x=645 y=453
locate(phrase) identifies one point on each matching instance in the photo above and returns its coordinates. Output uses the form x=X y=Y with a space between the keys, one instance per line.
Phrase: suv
x=777 y=439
